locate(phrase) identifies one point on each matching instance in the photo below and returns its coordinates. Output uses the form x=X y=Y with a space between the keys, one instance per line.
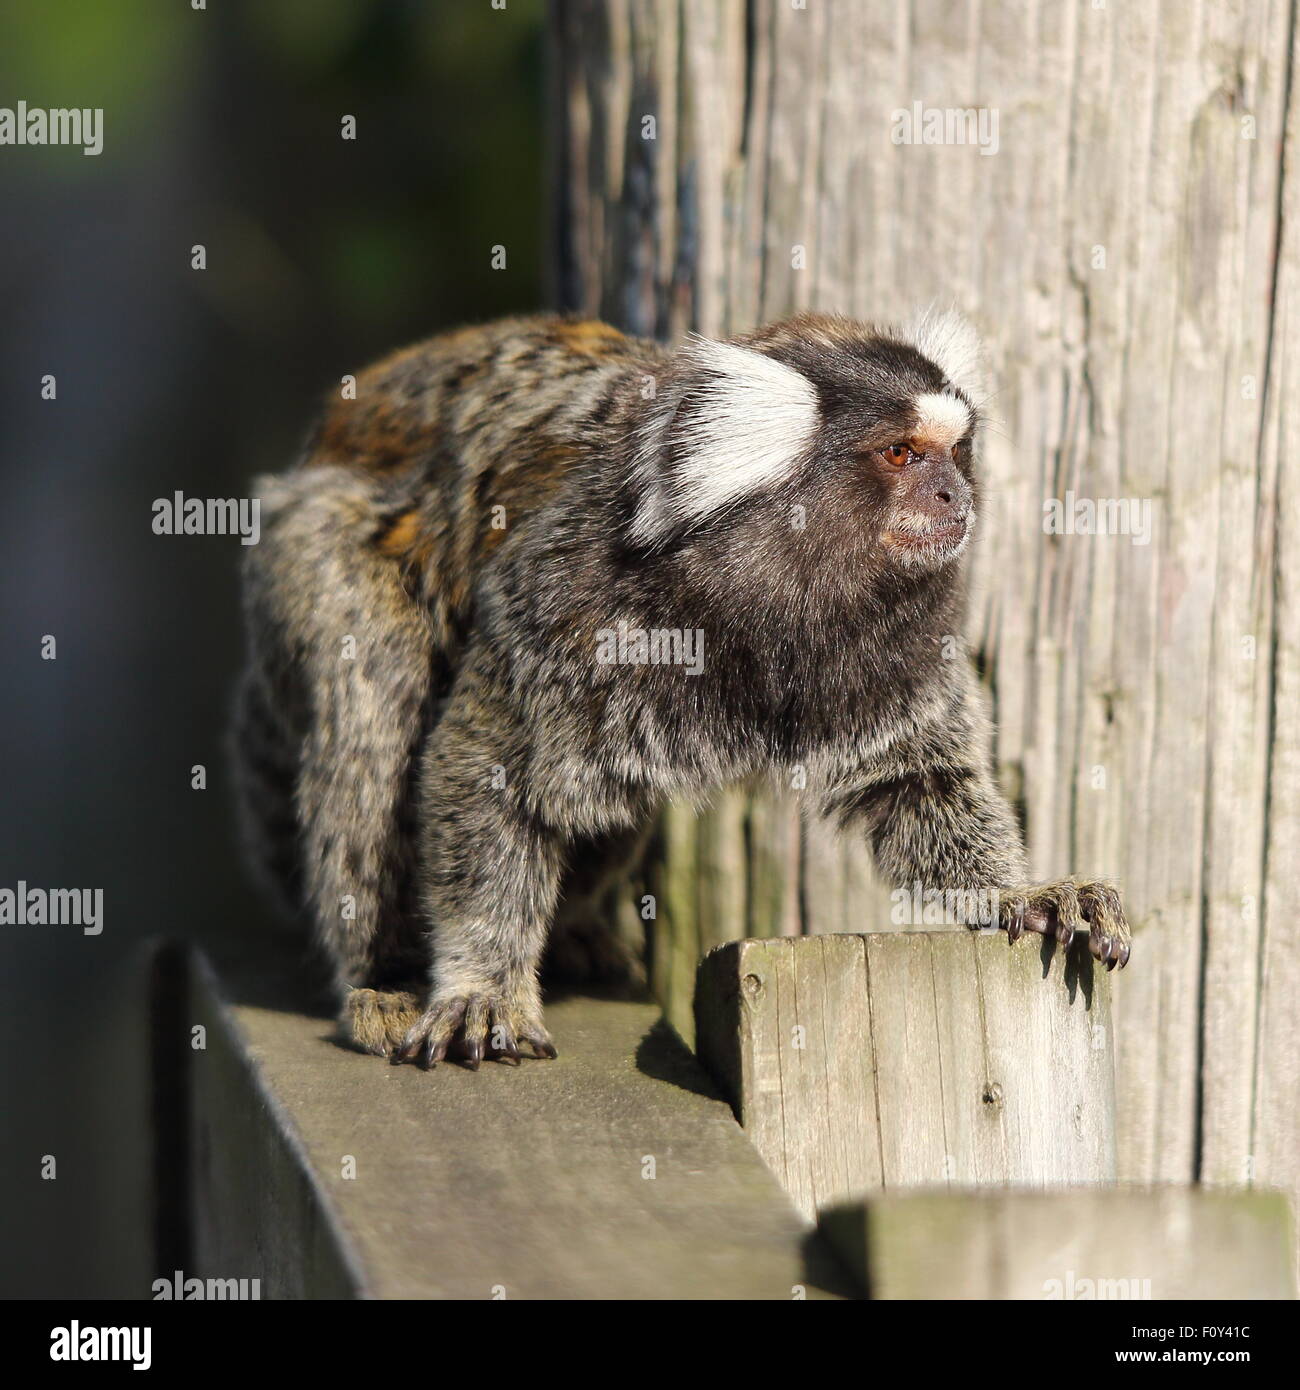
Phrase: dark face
x=896 y=447
x=924 y=478
x=875 y=480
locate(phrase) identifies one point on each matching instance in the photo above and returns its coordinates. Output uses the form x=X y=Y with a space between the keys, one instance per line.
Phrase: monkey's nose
x=958 y=508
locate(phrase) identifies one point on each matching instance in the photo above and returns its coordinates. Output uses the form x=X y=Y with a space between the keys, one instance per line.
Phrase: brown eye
x=897 y=454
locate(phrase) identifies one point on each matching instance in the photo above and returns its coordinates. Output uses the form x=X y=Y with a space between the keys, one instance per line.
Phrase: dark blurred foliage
x=222 y=127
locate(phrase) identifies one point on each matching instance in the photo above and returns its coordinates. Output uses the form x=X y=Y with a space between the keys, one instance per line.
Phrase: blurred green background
x=221 y=128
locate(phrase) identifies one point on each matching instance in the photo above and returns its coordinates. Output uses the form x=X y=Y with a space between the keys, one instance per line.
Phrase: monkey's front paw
x=1061 y=909
x=474 y=1026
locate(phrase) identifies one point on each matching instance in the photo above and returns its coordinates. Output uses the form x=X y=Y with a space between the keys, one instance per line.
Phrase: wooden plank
x=903 y=1059
x=1274 y=1147
x=614 y=1172
x=907 y=1026
x=720 y=851
x=1164 y=1243
x=1129 y=252
x=848 y=891
x=675 y=933
x=810 y=1121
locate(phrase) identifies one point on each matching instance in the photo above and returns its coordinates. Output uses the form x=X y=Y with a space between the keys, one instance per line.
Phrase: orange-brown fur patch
x=590 y=336
x=530 y=480
x=377 y=430
x=402 y=537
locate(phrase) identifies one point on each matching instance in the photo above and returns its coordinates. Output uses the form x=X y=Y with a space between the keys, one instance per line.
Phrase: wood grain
x=906 y=1059
x=1088 y=1246
x=1130 y=254
x=613 y=1172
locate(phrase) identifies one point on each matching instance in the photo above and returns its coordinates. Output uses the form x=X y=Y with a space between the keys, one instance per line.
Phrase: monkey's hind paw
x=1073 y=904
x=472 y=1026
x=377 y=1020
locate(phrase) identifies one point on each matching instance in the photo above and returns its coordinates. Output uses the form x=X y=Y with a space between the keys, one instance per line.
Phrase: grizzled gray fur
x=538 y=577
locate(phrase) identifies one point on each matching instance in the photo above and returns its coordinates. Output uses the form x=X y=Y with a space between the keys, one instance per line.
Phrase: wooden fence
x=1117 y=219
x=1123 y=230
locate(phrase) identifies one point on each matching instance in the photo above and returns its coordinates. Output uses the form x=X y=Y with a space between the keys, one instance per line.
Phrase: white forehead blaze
x=942 y=418
x=747 y=422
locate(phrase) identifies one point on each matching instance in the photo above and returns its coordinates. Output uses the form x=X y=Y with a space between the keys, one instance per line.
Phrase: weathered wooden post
x=860 y=1064
x=1118 y=228
x=1093 y=1245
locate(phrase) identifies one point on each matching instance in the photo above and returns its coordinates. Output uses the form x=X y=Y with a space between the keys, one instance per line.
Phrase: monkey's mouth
x=931 y=543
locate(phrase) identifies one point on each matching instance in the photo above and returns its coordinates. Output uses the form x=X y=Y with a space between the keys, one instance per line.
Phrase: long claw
x=504 y=1046
x=1016 y=927
x=475 y=1029
x=1058 y=910
x=459 y=1026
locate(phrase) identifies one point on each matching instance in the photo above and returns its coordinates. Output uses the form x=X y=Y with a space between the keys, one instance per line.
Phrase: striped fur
x=431 y=744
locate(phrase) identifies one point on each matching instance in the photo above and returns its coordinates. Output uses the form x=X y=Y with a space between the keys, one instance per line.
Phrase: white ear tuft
x=950 y=341
x=739 y=421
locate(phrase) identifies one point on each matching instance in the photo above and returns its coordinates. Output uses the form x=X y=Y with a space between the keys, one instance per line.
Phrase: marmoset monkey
x=537 y=577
